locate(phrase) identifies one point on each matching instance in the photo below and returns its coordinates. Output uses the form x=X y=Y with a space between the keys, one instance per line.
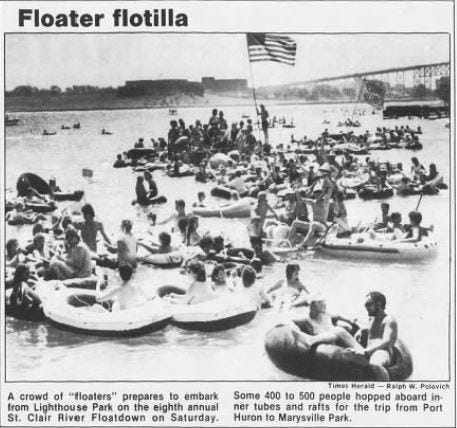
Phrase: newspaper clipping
x=228 y=213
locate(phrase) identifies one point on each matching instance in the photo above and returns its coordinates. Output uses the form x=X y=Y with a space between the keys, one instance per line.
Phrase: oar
x=419 y=202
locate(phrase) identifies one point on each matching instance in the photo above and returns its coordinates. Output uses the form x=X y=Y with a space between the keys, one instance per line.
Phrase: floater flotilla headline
x=120 y=18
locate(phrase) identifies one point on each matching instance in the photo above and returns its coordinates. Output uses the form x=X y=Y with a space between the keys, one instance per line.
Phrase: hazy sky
x=43 y=60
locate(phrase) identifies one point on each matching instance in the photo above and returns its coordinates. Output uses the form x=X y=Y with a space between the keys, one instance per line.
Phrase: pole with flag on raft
x=269 y=47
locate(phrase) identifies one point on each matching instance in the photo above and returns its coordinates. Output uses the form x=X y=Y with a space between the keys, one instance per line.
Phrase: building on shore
x=165 y=87
x=162 y=87
x=233 y=86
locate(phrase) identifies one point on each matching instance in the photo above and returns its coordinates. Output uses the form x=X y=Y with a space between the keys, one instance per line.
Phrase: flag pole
x=254 y=96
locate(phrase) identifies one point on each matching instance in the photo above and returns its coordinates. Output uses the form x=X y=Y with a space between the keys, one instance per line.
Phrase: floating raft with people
x=371 y=249
x=222 y=313
x=326 y=362
x=77 y=310
x=240 y=209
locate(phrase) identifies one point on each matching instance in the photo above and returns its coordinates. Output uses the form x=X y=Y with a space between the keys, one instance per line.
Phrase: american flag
x=373 y=92
x=271 y=47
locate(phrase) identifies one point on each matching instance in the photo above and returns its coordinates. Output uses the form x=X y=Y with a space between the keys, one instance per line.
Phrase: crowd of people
x=309 y=194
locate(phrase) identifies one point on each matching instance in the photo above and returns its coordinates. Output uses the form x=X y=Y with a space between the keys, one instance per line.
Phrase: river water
x=418 y=295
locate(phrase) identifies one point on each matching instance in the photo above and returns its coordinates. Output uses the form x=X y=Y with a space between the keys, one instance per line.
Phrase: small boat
x=330 y=362
x=172 y=112
x=76 y=310
x=371 y=249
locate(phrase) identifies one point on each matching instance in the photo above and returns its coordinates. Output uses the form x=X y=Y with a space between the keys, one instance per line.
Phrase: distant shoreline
x=39 y=106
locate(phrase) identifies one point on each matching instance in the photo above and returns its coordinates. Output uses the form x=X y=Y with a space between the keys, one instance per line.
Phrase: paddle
x=419 y=202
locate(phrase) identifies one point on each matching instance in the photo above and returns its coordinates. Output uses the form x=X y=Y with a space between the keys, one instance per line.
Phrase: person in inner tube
x=382 y=332
x=199 y=290
x=322 y=327
x=127 y=295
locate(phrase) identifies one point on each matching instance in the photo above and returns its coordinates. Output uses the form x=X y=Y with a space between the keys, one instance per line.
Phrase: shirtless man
x=382 y=331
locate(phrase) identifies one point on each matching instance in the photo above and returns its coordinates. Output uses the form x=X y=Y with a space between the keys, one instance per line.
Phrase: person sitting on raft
x=291 y=287
x=238 y=183
x=89 y=228
x=382 y=334
x=126 y=245
x=119 y=162
x=219 y=279
x=22 y=294
x=153 y=191
x=414 y=231
x=142 y=197
x=323 y=328
x=126 y=295
x=13 y=254
x=253 y=291
x=180 y=207
x=17 y=216
x=263 y=207
x=201 y=200
x=192 y=235
x=78 y=261
x=202 y=175
x=198 y=291
x=164 y=246
x=340 y=215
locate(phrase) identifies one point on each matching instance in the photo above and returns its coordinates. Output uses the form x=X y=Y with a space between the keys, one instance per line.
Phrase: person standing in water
x=263 y=113
x=89 y=228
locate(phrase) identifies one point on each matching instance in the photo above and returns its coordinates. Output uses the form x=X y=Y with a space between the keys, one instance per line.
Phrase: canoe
x=330 y=362
x=221 y=313
x=237 y=210
x=392 y=251
x=75 y=310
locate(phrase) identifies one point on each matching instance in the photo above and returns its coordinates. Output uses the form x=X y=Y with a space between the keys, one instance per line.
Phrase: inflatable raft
x=76 y=196
x=237 y=210
x=36 y=182
x=369 y=249
x=222 y=192
x=222 y=313
x=76 y=310
x=369 y=192
x=40 y=207
x=23 y=312
x=173 y=259
x=330 y=362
